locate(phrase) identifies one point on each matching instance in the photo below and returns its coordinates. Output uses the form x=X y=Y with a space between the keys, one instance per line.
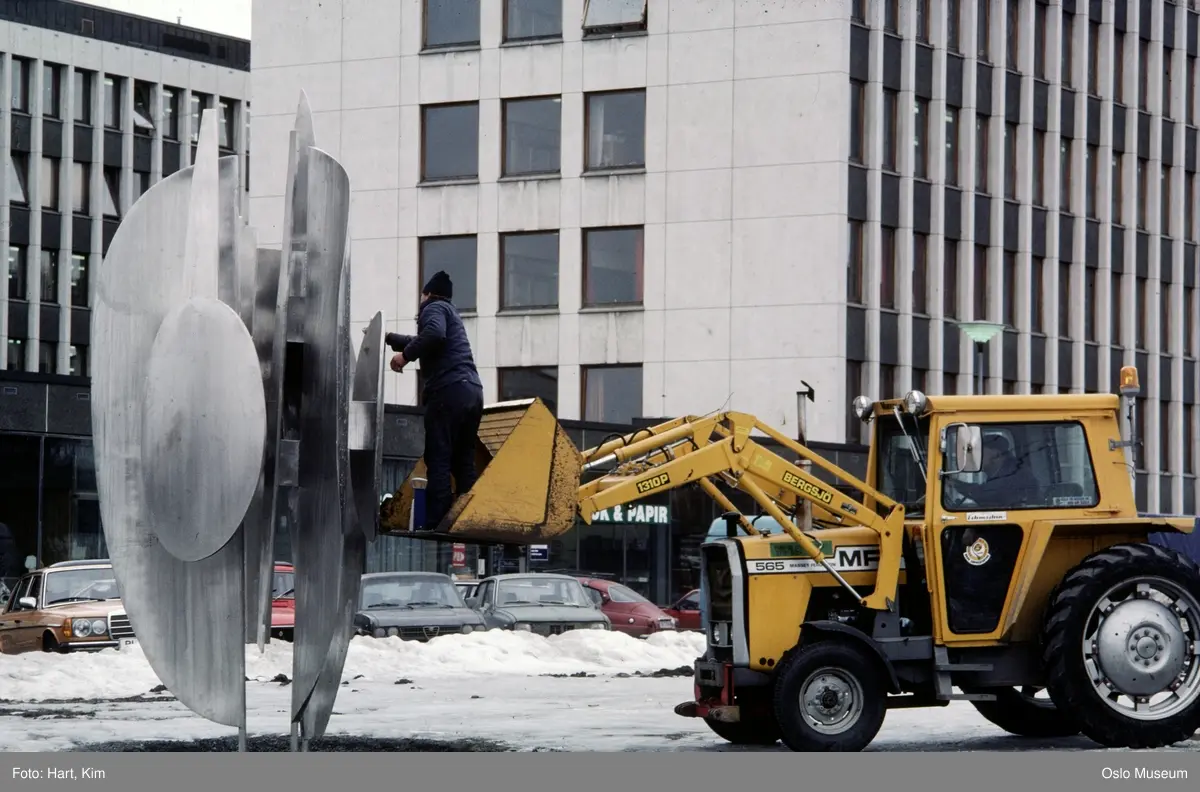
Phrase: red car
x=283 y=602
x=686 y=612
x=629 y=612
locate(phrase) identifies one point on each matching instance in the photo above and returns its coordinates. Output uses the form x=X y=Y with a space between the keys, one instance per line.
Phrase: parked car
x=628 y=611
x=538 y=603
x=283 y=602
x=466 y=587
x=66 y=607
x=686 y=611
x=414 y=606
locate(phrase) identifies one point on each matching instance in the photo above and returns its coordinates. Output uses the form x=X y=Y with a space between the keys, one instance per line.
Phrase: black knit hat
x=439 y=285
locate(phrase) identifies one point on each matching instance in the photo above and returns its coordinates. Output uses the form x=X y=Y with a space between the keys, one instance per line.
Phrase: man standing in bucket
x=453 y=395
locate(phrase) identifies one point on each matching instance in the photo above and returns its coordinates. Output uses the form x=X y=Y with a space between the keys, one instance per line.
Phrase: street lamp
x=981 y=333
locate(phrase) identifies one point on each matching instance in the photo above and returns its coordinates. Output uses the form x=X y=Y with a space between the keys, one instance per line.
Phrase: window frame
x=921 y=136
x=954 y=26
x=919 y=272
x=1067 y=44
x=983 y=26
x=640 y=267
x=19 y=79
x=425 y=112
x=588 y=167
x=1038 y=162
x=890 y=162
x=52 y=90
x=1037 y=295
x=1041 y=70
x=502 y=371
x=855 y=262
x=627 y=28
x=1093 y=80
x=953 y=131
x=448 y=45
x=423 y=276
x=950 y=265
x=508 y=38
x=83 y=84
x=887 y=268
x=50 y=181
x=586 y=370
x=503 y=303
x=858 y=122
x=505 y=104
x=1012 y=154
x=982 y=153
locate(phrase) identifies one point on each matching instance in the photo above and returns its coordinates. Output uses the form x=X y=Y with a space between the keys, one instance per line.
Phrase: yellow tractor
x=993 y=554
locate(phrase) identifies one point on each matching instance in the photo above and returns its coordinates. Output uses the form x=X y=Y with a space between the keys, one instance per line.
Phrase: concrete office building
x=98 y=106
x=653 y=208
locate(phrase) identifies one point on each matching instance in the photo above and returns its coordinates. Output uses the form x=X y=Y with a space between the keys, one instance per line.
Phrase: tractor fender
x=828 y=628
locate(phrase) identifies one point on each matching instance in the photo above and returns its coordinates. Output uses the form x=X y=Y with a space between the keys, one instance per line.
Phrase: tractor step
x=963 y=667
x=972 y=697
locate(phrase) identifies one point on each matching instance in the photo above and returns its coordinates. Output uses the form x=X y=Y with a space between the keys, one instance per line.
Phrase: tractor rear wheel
x=829 y=697
x=1121 y=646
x=764 y=731
x=1019 y=712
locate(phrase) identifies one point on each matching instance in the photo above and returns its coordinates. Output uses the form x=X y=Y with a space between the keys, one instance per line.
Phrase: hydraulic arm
x=697 y=450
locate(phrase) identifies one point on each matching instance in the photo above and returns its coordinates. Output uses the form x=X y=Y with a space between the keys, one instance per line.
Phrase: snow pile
x=109 y=674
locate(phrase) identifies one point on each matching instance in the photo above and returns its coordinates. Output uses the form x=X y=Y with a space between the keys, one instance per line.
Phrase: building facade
x=97 y=106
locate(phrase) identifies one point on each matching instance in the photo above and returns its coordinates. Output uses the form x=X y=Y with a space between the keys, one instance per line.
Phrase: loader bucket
x=527 y=487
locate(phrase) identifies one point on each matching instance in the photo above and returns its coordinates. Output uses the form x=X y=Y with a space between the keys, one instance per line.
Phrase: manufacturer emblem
x=978 y=553
x=431 y=632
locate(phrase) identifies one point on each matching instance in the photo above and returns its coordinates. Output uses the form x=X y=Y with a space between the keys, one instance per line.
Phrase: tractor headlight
x=81 y=627
x=99 y=627
x=523 y=627
x=862 y=407
x=915 y=402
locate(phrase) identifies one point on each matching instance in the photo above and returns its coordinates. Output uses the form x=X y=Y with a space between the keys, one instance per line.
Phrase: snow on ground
x=493 y=686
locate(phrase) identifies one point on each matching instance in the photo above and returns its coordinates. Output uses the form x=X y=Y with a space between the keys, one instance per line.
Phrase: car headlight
x=467 y=629
x=597 y=626
x=379 y=632
x=81 y=627
x=523 y=627
x=99 y=627
x=393 y=632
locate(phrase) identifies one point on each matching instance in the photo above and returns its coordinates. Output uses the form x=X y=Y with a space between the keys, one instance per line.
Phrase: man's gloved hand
x=398 y=362
x=395 y=341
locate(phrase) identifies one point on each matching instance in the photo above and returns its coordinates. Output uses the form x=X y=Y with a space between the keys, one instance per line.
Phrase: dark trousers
x=452 y=415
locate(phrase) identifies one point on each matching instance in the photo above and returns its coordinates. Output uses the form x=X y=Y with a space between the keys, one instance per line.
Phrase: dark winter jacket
x=441 y=345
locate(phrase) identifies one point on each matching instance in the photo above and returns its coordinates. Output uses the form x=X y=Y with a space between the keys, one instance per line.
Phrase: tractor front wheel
x=828 y=697
x=1018 y=711
x=1121 y=646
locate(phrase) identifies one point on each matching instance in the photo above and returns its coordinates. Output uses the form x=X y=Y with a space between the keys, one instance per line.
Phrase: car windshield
x=409 y=592
x=542 y=591
x=619 y=593
x=899 y=475
x=79 y=585
x=283 y=585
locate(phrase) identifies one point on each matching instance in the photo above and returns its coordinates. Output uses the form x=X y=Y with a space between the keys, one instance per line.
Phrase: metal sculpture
x=228 y=403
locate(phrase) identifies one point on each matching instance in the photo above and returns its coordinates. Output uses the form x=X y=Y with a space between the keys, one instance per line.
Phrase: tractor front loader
x=994 y=555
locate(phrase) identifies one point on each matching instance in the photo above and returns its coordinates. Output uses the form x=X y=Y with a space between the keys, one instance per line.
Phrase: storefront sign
x=539 y=552
x=458 y=557
x=638 y=513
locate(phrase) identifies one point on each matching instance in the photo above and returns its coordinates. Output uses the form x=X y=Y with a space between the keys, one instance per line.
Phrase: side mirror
x=962 y=449
x=27 y=603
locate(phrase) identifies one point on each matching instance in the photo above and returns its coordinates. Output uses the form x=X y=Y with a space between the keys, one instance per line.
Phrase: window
x=1164 y=436
x=612 y=266
x=46 y=357
x=81 y=187
x=613 y=16
x=891 y=16
x=1189 y=321
x=532 y=135
x=1010 y=161
x=854 y=264
x=982 y=25
x=16 y=354
x=49 y=183
x=923 y=21
x=1093 y=57
x=1039 y=167
x=18 y=275
x=1189 y=205
x=450 y=135
x=1117 y=191
x=141 y=183
x=1039 y=41
x=616 y=130
x=143 y=116
x=51 y=90
x=858 y=11
x=1143 y=309
x=920 y=274
x=921 y=139
x=953 y=18
x=981 y=153
x=1093 y=181
x=887 y=381
x=83 y=96
x=1189 y=439
x=1119 y=67
x=949 y=384
x=1089 y=304
x=950 y=280
x=528 y=20
x=858 y=126
x=79 y=360
x=50 y=276
x=1118 y=311
x=1013 y=33
x=1068 y=50
x=170 y=113
x=1143 y=177
x=1064 y=299
x=887 y=267
x=199 y=103
x=981 y=283
x=1064 y=175
x=529 y=270
x=890 y=125
x=1143 y=74
x=1164 y=188
x=1164 y=317
x=112 y=192
x=1139 y=453
x=1191 y=91
x=1008 y=292
x=18 y=178
x=451 y=23
x=920 y=379
x=228 y=120
x=79 y=281
x=20 y=85
x=952 y=146
x=1166 y=83
x=854 y=386
x=457 y=256
x=529 y=383
x=1045 y=465
x=612 y=394
x=112 y=102
x=1037 y=298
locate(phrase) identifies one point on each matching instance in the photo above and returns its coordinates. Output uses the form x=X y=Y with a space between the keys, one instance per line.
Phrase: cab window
x=1045 y=465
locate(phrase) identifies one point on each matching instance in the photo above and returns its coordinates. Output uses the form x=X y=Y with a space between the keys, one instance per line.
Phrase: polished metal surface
x=188 y=614
x=366 y=429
